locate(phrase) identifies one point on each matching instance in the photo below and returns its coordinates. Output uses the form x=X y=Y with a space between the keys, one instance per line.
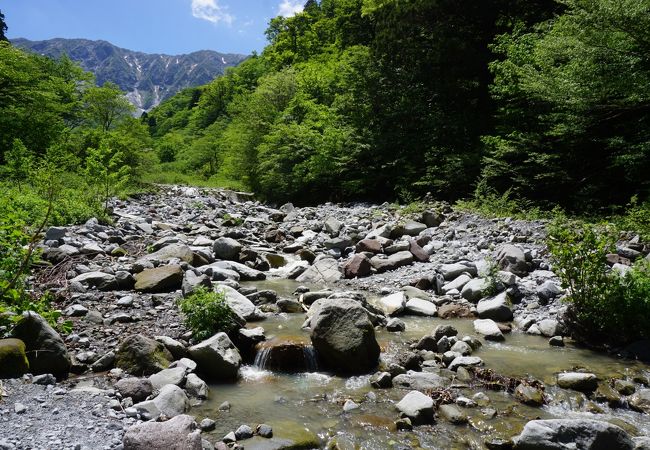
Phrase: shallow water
x=315 y=400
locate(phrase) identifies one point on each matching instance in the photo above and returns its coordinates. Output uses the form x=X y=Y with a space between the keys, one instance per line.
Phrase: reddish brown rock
x=451 y=310
x=418 y=252
x=369 y=245
x=357 y=266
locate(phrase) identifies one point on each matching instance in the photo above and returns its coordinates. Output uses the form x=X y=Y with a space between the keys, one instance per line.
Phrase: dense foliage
x=606 y=306
x=207 y=313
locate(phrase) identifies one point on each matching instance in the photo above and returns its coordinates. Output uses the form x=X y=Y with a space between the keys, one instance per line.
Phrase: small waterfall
x=311 y=362
x=262 y=358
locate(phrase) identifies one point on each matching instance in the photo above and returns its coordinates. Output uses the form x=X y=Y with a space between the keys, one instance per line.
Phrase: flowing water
x=314 y=400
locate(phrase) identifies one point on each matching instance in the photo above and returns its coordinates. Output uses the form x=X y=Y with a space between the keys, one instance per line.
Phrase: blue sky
x=152 y=26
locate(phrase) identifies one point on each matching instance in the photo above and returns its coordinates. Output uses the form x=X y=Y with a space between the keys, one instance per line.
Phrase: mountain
x=148 y=79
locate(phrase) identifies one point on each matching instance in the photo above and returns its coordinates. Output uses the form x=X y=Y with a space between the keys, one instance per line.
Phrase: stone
x=55 y=233
x=556 y=341
x=196 y=387
x=13 y=359
x=369 y=245
x=264 y=430
x=169 y=252
x=217 y=357
x=444 y=330
x=624 y=387
x=140 y=355
x=324 y=270
x=419 y=307
x=452 y=271
x=512 y=259
x=392 y=262
x=419 y=380
x=465 y=361
x=475 y=289
x=227 y=248
x=358 y=266
x=456 y=284
x=640 y=401
x=549 y=327
x=159 y=279
x=548 y=291
x=136 y=388
x=529 y=395
x=489 y=329
x=417 y=407
x=244 y=432
x=207 y=425
x=171 y=401
x=578 y=381
x=45 y=350
x=344 y=336
x=350 y=405
x=561 y=434
x=497 y=308
x=381 y=380
x=105 y=362
x=178 y=433
x=463 y=348
x=174 y=376
x=289 y=305
x=452 y=414
x=409 y=228
x=418 y=252
x=392 y=304
x=98 y=280
x=395 y=325
x=75 y=311
x=192 y=282
x=239 y=303
x=432 y=218
x=177 y=349
x=332 y=226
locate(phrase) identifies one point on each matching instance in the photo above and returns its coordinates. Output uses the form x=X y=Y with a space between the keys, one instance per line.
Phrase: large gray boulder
x=136 y=388
x=563 y=434
x=140 y=355
x=475 y=289
x=217 y=357
x=159 y=279
x=489 y=329
x=497 y=308
x=578 y=381
x=324 y=270
x=98 y=280
x=344 y=337
x=417 y=407
x=179 y=433
x=512 y=259
x=239 y=303
x=45 y=350
x=227 y=248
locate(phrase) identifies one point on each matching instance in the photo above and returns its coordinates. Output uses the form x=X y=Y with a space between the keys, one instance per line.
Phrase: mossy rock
x=13 y=360
x=140 y=355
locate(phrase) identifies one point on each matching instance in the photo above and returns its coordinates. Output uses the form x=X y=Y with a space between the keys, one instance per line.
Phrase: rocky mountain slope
x=148 y=78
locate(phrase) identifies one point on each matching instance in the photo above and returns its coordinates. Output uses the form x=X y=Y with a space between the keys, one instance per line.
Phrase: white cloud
x=290 y=8
x=211 y=11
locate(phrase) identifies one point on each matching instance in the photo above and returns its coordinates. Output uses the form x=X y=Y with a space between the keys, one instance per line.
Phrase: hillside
x=148 y=78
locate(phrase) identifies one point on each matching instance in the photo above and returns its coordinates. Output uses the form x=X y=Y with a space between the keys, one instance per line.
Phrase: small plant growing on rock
x=207 y=313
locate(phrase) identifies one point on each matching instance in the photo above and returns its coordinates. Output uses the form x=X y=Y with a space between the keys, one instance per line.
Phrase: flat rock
x=178 y=433
x=489 y=329
x=417 y=407
x=561 y=434
x=159 y=279
x=324 y=270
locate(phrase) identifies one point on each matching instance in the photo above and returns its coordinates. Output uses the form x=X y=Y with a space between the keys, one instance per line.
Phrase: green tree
x=106 y=168
x=19 y=161
x=3 y=27
x=106 y=106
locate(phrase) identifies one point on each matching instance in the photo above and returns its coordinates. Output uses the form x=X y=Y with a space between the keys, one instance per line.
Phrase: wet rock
x=136 y=388
x=159 y=279
x=217 y=357
x=178 y=433
x=392 y=304
x=556 y=341
x=578 y=381
x=417 y=407
x=640 y=401
x=419 y=307
x=465 y=361
x=395 y=325
x=244 y=432
x=13 y=360
x=559 y=434
x=606 y=394
x=344 y=337
x=381 y=380
x=207 y=425
x=45 y=350
x=325 y=270
x=226 y=248
x=264 y=430
x=529 y=395
x=196 y=387
x=289 y=305
x=452 y=414
x=444 y=330
x=419 y=380
x=489 y=329
x=140 y=355
x=98 y=280
x=624 y=387
x=497 y=308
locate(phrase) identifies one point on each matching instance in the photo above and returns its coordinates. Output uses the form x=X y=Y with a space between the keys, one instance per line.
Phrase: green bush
x=605 y=306
x=207 y=313
x=636 y=219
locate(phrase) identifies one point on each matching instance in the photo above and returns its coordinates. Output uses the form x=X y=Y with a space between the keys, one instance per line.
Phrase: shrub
x=605 y=306
x=207 y=313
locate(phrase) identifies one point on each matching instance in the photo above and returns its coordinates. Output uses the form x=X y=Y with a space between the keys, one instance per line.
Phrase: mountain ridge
x=147 y=78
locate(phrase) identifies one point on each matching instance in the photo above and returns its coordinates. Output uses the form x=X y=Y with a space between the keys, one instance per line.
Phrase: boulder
x=419 y=381
x=420 y=307
x=98 y=280
x=465 y=361
x=196 y=387
x=456 y=284
x=192 y=282
x=245 y=273
x=174 y=376
x=44 y=348
x=171 y=401
x=452 y=414
x=226 y=248
x=369 y=245
x=217 y=357
x=640 y=401
x=13 y=360
x=529 y=395
x=562 y=434
x=417 y=407
x=136 y=388
x=382 y=263
x=578 y=381
x=489 y=329
x=475 y=289
x=324 y=270
x=239 y=303
x=169 y=252
x=344 y=336
x=392 y=304
x=451 y=271
x=358 y=266
x=512 y=259
x=418 y=252
x=159 y=279
x=549 y=327
x=140 y=355
x=179 y=433
x=497 y=308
